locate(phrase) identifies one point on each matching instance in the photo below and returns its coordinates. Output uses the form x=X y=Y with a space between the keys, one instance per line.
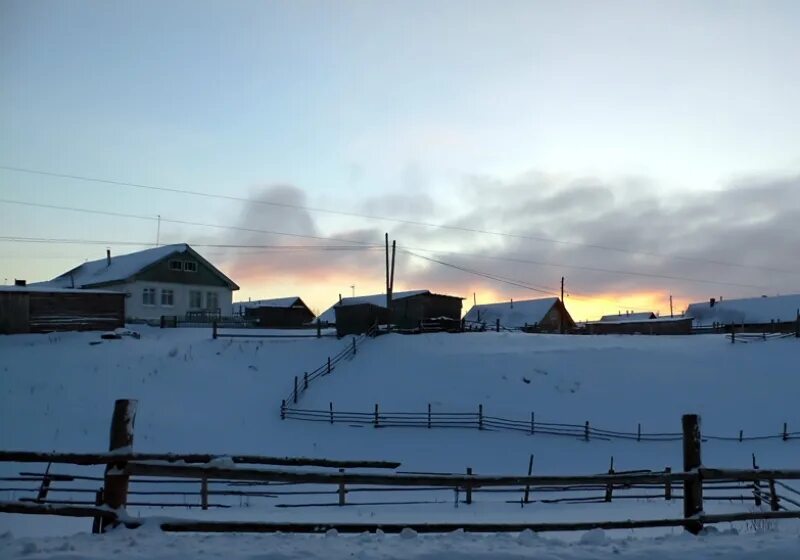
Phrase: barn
x=758 y=314
x=286 y=312
x=409 y=310
x=628 y=316
x=533 y=315
x=641 y=325
x=30 y=309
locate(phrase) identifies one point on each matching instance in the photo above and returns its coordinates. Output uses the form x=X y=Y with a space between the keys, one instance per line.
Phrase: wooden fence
x=479 y=420
x=125 y=468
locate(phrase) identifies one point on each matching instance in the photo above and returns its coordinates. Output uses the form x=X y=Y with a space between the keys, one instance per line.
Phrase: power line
x=61 y=240
x=417 y=223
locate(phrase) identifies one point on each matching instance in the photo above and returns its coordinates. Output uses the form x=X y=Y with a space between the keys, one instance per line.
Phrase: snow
x=378 y=300
x=222 y=396
x=747 y=311
x=45 y=288
x=627 y=317
x=283 y=303
x=511 y=314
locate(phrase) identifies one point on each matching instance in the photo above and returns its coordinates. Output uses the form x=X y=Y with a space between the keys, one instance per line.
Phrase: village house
x=172 y=280
x=628 y=316
x=540 y=315
x=278 y=312
x=639 y=323
x=758 y=314
x=409 y=310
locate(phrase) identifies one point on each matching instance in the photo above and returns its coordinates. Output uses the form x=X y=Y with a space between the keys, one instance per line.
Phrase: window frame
x=171 y=293
x=173 y=267
x=189 y=266
x=215 y=297
x=199 y=293
x=152 y=299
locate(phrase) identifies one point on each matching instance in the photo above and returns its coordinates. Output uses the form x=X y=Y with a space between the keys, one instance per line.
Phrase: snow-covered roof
x=283 y=303
x=512 y=314
x=748 y=311
x=122 y=267
x=630 y=319
x=627 y=317
x=378 y=300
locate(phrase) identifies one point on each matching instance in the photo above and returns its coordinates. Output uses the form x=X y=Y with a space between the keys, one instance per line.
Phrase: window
x=189 y=266
x=176 y=265
x=195 y=299
x=149 y=296
x=167 y=298
x=212 y=302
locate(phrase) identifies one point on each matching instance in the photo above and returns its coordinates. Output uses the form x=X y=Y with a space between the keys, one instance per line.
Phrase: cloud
x=624 y=237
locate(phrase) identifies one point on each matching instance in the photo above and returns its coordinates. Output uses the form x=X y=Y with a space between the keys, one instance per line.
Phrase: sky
x=638 y=149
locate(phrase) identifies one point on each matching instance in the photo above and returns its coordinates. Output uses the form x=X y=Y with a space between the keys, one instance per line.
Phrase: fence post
x=733 y=333
x=480 y=416
x=469 y=487
x=526 y=497
x=586 y=431
x=319 y=328
x=497 y=325
x=97 y=522
x=341 y=490
x=692 y=488
x=610 y=486
x=283 y=409
x=756 y=484
x=785 y=431
x=668 y=485
x=797 y=325
x=329 y=364
x=774 y=503
x=295 y=390
x=429 y=416
x=533 y=423
x=305 y=380
x=115 y=494
x=330 y=407
x=639 y=432
x=214 y=330
x=204 y=492
x=376 y=415
x=354 y=346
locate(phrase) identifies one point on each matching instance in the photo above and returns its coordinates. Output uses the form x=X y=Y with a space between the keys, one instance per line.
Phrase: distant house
x=168 y=280
x=279 y=312
x=758 y=314
x=31 y=309
x=543 y=315
x=628 y=316
x=356 y=315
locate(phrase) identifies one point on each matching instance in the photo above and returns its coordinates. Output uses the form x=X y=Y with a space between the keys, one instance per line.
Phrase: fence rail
x=481 y=421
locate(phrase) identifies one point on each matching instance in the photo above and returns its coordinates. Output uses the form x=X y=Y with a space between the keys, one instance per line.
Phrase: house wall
x=357 y=319
x=280 y=316
x=161 y=272
x=13 y=312
x=136 y=309
x=679 y=326
x=408 y=312
x=78 y=311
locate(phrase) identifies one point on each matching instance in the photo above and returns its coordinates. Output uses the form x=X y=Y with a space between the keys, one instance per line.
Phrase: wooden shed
x=532 y=315
x=29 y=309
x=409 y=310
x=287 y=312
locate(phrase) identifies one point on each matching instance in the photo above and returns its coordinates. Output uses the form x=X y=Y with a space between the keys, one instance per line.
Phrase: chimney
x=711 y=302
x=340 y=298
x=20 y=282
x=108 y=257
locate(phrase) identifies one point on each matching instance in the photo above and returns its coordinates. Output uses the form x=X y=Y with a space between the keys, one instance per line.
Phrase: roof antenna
x=158 y=231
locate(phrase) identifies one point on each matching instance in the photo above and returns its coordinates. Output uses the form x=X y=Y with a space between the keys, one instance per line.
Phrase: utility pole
x=353 y=288
x=474 y=299
x=561 y=311
x=388 y=286
x=670 y=306
x=158 y=231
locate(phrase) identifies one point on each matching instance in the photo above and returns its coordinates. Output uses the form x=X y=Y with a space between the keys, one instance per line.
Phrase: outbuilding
x=532 y=315
x=758 y=314
x=409 y=311
x=654 y=326
x=287 y=312
x=30 y=309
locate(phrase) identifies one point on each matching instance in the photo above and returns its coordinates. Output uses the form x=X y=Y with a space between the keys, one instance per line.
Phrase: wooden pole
x=295 y=390
x=214 y=330
x=533 y=423
x=785 y=431
x=376 y=415
x=115 y=493
x=329 y=364
x=586 y=431
x=692 y=488
x=526 y=497
x=388 y=281
x=469 y=487
x=480 y=416
x=668 y=485
x=97 y=522
x=497 y=325
x=639 y=432
x=341 y=490
x=305 y=380
x=319 y=328
x=204 y=492
x=283 y=409
x=561 y=311
x=330 y=407
x=733 y=333
x=756 y=484
x=610 y=486
x=429 y=416
x=774 y=504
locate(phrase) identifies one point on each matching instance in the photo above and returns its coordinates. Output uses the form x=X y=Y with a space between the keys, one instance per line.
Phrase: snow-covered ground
x=222 y=396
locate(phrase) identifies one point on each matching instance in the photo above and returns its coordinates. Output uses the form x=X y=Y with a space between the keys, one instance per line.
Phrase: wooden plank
x=105 y=458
